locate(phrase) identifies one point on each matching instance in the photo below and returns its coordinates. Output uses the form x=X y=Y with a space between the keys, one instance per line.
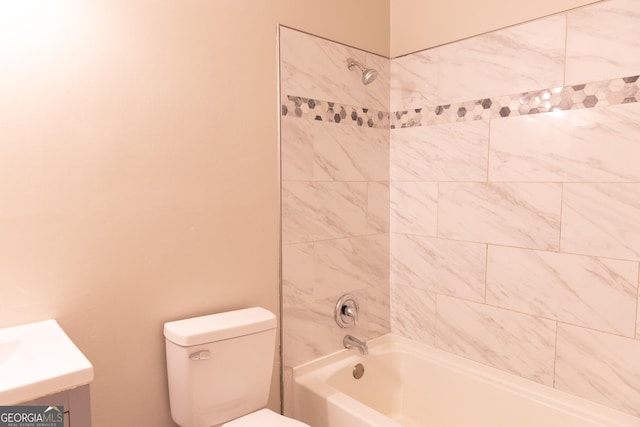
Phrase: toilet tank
x=219 y=366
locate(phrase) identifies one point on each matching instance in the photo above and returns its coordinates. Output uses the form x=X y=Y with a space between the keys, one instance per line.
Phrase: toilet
x=219 y=369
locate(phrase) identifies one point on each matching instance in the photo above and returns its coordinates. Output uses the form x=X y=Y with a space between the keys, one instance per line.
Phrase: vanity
x=40 y=365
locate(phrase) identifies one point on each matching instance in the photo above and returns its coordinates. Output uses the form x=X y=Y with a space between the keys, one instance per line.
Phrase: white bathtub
x=410 y=384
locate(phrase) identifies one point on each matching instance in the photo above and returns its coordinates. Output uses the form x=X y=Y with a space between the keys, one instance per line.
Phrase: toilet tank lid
x=219 y=326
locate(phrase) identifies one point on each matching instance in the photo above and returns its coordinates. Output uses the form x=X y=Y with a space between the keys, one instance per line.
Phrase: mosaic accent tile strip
x=314 y=109
x=595 y=94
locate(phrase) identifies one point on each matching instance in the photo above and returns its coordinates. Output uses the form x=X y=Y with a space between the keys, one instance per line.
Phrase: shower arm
x=353 y=63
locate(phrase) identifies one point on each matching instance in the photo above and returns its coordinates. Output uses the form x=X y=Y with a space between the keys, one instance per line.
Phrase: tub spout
x=353 y=342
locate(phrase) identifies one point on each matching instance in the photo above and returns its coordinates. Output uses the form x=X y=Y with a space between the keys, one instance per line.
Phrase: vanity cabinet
x=76 y=403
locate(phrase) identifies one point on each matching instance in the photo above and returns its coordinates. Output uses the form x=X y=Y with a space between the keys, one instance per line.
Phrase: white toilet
x=219 y=368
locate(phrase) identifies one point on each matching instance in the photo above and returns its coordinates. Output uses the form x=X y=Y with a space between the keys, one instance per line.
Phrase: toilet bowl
x=264 y=418
x=219 y=369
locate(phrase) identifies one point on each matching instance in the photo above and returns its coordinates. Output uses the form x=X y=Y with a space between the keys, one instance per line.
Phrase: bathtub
x=410 y=384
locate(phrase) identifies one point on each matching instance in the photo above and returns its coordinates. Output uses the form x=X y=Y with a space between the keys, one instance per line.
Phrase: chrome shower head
x=368 y=74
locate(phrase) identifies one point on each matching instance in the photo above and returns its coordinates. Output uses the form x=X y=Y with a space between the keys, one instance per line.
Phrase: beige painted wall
x=139 y=171
x=420 y=24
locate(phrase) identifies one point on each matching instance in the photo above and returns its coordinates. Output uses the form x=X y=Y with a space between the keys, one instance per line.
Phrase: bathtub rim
x=313 y=375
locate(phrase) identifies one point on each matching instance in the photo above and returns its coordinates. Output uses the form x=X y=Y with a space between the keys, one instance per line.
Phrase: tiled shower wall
x=515 y=234
x=335 y=197
x=513 y=205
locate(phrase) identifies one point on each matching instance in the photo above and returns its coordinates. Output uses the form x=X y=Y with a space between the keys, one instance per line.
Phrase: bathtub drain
x=358 y=371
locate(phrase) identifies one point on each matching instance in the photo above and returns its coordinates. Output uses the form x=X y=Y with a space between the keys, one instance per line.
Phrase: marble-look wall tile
x=310 y=331
x=377 y=92
x=321 y=151
x=442 y=266
x=513 y=342
x=516 y=59
x=587 y=291
x=601 y=220
x=449 y=152
x=338 y=204
x=298 y=326
x=413 y=313
x=297 y=274
x=349 y=153
x=323 y=210
x=317 y=68
x=414 y=208
x=335 y=194
x=598 y=145
x=287 y=391
x=599 y=367
x=603 y=41
x=525 y=215
x=377 y=207
x=344 y=265
x=379 y=310
x=328 y=335
x=296 y=151
x=414 y=80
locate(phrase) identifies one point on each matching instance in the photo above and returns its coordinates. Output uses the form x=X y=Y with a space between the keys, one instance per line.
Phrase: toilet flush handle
x=200 y=355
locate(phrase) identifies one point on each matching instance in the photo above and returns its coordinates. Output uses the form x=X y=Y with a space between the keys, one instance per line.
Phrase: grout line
x=439 y=237
x=637 y=308
x=439 y=63
x=437 y=209
x=566 y=42
x=435 y=319
x=486 y=271
x=281 y=289
x=489 y=148
x=555 y=356
x=560 y=225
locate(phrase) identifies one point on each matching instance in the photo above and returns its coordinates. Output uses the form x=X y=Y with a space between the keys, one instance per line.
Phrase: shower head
x=368 y=74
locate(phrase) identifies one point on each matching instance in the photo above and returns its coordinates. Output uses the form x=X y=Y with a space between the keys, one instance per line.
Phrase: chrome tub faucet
x=353 y=342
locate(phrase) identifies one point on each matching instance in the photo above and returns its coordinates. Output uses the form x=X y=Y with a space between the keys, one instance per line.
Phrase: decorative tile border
x=326 y=111
x=595 y=94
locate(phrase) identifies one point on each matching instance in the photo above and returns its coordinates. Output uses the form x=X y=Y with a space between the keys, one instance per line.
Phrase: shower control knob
x=347 y=309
